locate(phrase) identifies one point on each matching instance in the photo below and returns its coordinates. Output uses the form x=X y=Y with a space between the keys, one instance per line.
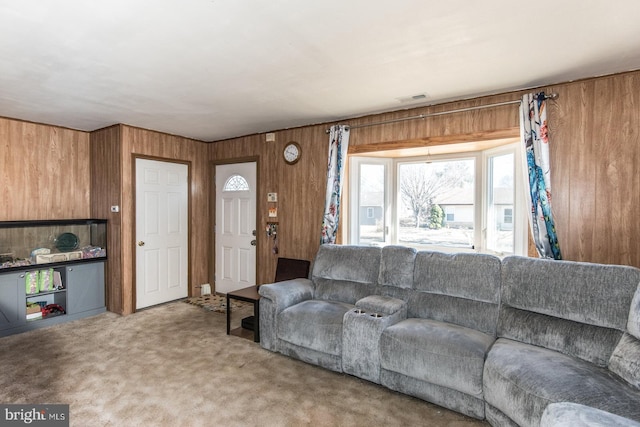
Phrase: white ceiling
x=214 y=69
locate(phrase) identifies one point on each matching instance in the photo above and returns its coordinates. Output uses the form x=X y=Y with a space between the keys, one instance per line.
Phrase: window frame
x=520 y=220
x=355 y=163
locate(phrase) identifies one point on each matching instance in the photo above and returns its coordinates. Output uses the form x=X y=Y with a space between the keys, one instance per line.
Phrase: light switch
x=115 y=209
x=272 y=197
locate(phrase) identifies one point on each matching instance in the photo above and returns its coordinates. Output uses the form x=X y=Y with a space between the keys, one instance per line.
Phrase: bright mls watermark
x=34 y=415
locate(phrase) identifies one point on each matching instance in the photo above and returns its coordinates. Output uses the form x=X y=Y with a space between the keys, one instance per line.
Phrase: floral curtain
x=338 y=145
x=534 y=133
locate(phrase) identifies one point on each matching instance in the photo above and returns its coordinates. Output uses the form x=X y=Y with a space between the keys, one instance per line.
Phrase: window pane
x=436 y=203
x=236 y=183
x=501 y=193
x=371 y=210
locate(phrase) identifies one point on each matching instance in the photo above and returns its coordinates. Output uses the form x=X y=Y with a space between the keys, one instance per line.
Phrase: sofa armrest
x=275 y=298
x=287 y=293
x=362 y=328
x=383 y=305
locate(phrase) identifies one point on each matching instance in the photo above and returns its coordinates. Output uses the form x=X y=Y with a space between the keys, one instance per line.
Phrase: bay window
x=453 y=202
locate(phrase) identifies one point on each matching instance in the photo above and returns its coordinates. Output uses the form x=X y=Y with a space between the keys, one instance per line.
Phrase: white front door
x=235 y=228
x=162 y=232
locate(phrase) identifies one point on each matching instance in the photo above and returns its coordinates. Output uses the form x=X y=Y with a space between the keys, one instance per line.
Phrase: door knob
x=140 y=243
x=254 y=242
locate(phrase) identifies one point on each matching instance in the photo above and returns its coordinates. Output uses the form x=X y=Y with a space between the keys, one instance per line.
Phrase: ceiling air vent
x=414 y=98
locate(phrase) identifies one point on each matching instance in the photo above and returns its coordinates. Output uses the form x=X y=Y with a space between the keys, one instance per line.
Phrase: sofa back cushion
x=396 y=271
x=579 y=309
x=633 y=323
x=625 y=360
x=345 y=273
x=462 y=288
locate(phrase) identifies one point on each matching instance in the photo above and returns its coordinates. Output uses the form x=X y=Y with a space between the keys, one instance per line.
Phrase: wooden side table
x=251 y=295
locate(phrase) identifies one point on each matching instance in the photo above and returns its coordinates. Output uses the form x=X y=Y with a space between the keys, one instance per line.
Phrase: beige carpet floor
x=174 y=365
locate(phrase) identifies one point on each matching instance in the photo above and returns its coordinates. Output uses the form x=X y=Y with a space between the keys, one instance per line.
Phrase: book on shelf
x=34 y=316
x=57 y=280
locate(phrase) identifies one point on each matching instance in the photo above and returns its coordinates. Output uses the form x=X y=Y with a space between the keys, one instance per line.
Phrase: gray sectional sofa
x=494 y=339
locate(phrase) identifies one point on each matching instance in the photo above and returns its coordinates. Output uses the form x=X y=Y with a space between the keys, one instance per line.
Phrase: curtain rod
x=441 y=113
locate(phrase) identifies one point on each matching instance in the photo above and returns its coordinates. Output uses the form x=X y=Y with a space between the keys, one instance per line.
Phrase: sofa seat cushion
x=521 y=380
x=567 y=414
x=314 y=324
x=439 y=353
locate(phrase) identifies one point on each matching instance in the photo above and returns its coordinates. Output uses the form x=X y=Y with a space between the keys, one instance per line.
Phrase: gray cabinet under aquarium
x=51 y=272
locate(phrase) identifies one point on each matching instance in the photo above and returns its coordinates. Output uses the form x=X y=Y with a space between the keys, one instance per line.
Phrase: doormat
x=217 y=303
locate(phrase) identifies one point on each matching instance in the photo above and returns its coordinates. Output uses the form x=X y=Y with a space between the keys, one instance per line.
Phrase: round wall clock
x=292 y=152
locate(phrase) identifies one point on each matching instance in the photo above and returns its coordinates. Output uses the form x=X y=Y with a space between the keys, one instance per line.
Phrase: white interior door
x=162 y=232
x=235 y=228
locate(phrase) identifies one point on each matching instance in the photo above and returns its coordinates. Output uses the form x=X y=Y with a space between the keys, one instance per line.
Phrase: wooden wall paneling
x=504 y=135
x=200 y=220
x=44 y=171
x=106 y=190
x=595 y=151
x=581 y=190
x=617 y=196
x=301 y=212
x=582 y=210
x=271 y=180
x=127 y=221
x=605 y=171
x=629 y=226
x=464 y=123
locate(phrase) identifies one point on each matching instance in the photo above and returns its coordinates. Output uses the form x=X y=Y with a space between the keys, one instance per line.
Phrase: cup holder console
x=360 y=311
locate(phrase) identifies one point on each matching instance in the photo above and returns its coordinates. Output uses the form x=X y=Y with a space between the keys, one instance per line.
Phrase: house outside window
x=450 y=215
x=507 y=217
